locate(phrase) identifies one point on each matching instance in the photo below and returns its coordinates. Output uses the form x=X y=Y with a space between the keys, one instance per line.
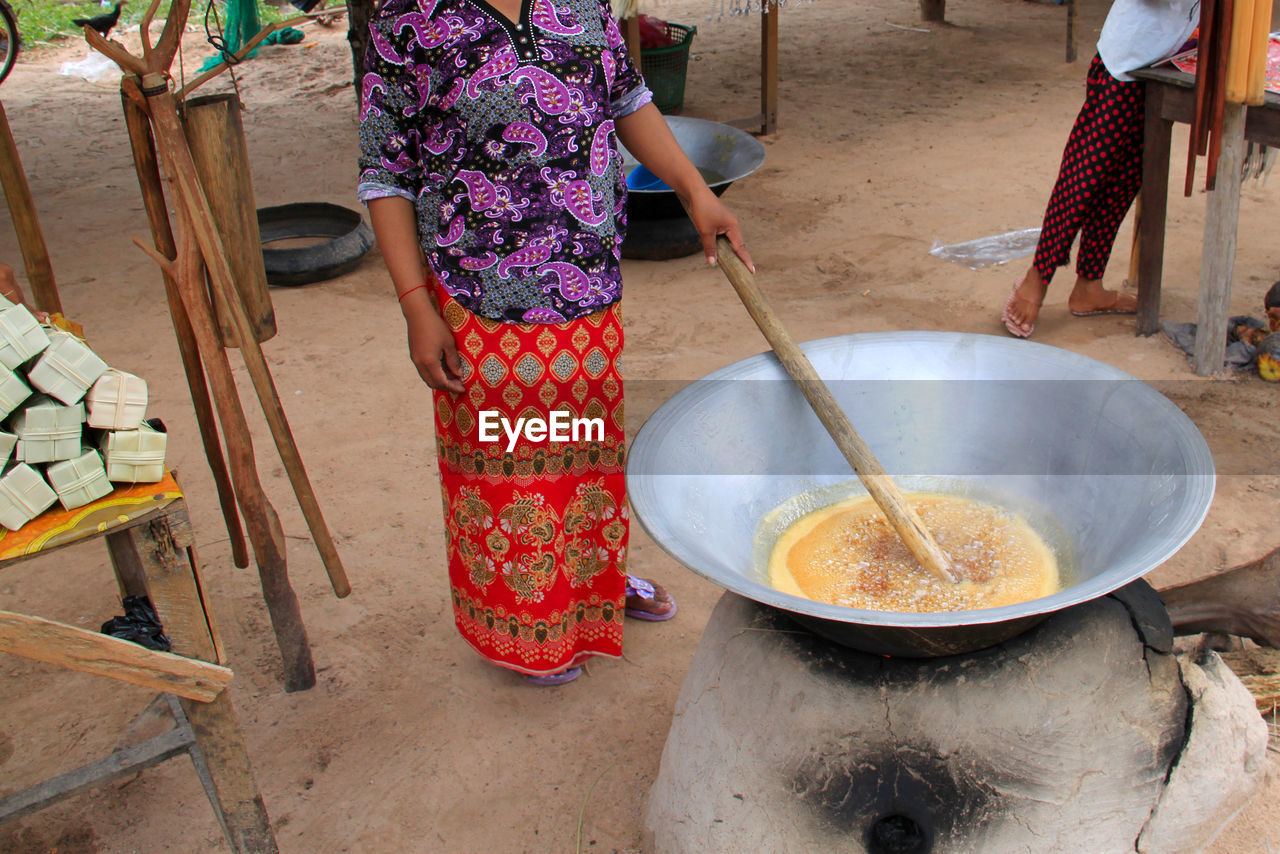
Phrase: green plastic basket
x=665 y=68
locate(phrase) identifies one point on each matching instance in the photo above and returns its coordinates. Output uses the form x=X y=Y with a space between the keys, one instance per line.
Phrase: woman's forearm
x=396 y=229
x=646 y=135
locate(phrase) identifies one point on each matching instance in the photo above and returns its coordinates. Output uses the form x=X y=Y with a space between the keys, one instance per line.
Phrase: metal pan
x=1112 y=474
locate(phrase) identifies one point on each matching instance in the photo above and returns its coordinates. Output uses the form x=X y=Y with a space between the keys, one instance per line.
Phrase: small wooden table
x=152 y=550
x=1170 y=97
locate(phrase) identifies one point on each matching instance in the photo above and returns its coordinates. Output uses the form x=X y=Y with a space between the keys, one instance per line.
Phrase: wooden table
x=1170 y=97
x=152 y=552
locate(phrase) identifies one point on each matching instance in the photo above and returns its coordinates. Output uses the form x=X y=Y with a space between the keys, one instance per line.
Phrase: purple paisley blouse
x=502 y=135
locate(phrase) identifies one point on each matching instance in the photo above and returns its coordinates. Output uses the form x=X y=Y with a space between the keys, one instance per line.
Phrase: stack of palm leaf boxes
x=51 y=383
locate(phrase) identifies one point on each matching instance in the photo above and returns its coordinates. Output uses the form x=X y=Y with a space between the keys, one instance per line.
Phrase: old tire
x=348 y=241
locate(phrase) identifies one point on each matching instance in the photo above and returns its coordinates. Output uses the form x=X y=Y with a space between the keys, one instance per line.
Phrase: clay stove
x=1083 y=734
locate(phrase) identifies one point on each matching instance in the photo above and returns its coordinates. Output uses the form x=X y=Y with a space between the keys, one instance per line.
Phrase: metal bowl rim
x=753 y=145
x=1188 y=520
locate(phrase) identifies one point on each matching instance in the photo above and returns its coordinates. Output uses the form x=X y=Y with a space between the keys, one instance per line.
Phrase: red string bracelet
x=411 y=290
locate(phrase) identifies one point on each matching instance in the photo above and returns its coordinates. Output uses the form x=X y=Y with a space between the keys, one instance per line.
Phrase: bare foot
x=1024 y=305
x=1090 y=298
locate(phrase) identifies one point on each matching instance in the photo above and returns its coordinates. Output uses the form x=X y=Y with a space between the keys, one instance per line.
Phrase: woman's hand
x=712 y=219
x=432 y=348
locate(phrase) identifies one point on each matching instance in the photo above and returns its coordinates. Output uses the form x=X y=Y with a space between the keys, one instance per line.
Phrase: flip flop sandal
x=1009 y=323
x=645 y=590
x=562 y=678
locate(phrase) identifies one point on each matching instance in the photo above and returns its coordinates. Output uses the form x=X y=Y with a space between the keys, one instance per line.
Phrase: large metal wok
x=1109 y=471
x=658 y=228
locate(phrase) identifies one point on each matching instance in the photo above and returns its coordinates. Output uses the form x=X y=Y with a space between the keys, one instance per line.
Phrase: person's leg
x=1072 y=192
x=1119 y=158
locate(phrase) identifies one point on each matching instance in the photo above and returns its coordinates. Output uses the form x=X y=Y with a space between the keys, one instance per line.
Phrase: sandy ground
x=889 y=138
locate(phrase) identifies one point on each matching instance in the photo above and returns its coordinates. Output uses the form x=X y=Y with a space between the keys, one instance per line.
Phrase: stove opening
x=897 y=834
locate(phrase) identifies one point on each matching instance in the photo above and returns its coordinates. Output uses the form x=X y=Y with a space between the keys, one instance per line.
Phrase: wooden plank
x=91 y=652
x=217 y=733
x=158 y=551
x=1217 y=263
x=119 y=764
x=769 y=68
x=26 y=224
x=1157 y=138
x=215 y=135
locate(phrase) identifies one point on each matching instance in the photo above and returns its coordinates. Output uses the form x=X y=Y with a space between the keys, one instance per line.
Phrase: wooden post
x=769 y=68
x=1217 y=263
x=631 y=32
x=199 y=220
x=933 y=10
x=1135 y=248
x=1071 y=30
x=215 y=135
x=148 y=169
x=35 y=254
x=1157 y=133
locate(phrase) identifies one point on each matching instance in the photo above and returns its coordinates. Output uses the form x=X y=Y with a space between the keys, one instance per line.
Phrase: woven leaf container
x=24 y=495
x=47 y=430
x=117 y=401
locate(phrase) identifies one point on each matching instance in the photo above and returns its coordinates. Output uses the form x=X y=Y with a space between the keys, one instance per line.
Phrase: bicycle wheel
x=8 y=39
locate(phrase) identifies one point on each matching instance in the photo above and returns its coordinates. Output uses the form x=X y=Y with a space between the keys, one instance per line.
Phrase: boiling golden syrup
x=848 y=554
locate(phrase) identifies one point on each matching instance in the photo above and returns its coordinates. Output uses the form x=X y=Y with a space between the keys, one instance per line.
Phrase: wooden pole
x=215 y=135
x=878 y=483
x=1071 y=30
x=260 y=517
x=1135 y=249
x=1217 y=264
x=144 y=161
x=769 y=68
x=172 y=142
x=22 y=208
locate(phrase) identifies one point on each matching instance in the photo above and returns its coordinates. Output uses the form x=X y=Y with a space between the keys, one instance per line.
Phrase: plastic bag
x=985 y=251
x=95 y=68
x=140 y=624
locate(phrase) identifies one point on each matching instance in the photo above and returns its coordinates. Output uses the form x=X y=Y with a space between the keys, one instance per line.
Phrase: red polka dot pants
x=1100 y=176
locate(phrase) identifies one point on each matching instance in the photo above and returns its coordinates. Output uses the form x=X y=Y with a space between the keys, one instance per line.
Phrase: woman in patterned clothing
x=1101 y=170
x=494 y=183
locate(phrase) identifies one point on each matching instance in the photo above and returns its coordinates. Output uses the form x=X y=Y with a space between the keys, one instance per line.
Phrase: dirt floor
x=892 y=134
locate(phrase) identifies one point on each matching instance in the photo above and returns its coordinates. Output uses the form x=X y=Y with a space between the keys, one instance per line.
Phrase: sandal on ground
x=562 y=678
x=1009 y=323
x=1113 y=308
x=638 y=587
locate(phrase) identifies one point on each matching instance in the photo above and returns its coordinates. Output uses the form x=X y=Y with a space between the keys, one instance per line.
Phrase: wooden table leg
x=157 y=553
x=1157 y=137
x=217 y=734
x=1217 y=261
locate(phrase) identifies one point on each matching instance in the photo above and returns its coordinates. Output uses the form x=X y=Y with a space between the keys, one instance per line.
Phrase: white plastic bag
x=95 y=68
x=985 y=251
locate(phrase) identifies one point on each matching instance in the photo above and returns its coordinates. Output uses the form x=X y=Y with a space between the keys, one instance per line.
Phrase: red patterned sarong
x=536 y=536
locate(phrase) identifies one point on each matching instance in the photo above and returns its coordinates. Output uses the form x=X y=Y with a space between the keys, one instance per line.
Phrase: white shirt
x=1138 y=33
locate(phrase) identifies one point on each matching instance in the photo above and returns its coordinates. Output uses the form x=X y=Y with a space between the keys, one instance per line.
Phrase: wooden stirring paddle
x=879 y=484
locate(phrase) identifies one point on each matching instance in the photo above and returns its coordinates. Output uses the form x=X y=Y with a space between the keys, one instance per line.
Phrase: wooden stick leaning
x=145 y=164
x=181 y=171
x=26 y=224
x=879 y=484
x=260 y=517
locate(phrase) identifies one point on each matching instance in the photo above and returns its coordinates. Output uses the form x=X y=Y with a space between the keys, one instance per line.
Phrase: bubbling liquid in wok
x=848 y=554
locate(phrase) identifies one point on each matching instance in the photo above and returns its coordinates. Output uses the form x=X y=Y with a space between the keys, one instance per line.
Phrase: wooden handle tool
x=881 y=487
